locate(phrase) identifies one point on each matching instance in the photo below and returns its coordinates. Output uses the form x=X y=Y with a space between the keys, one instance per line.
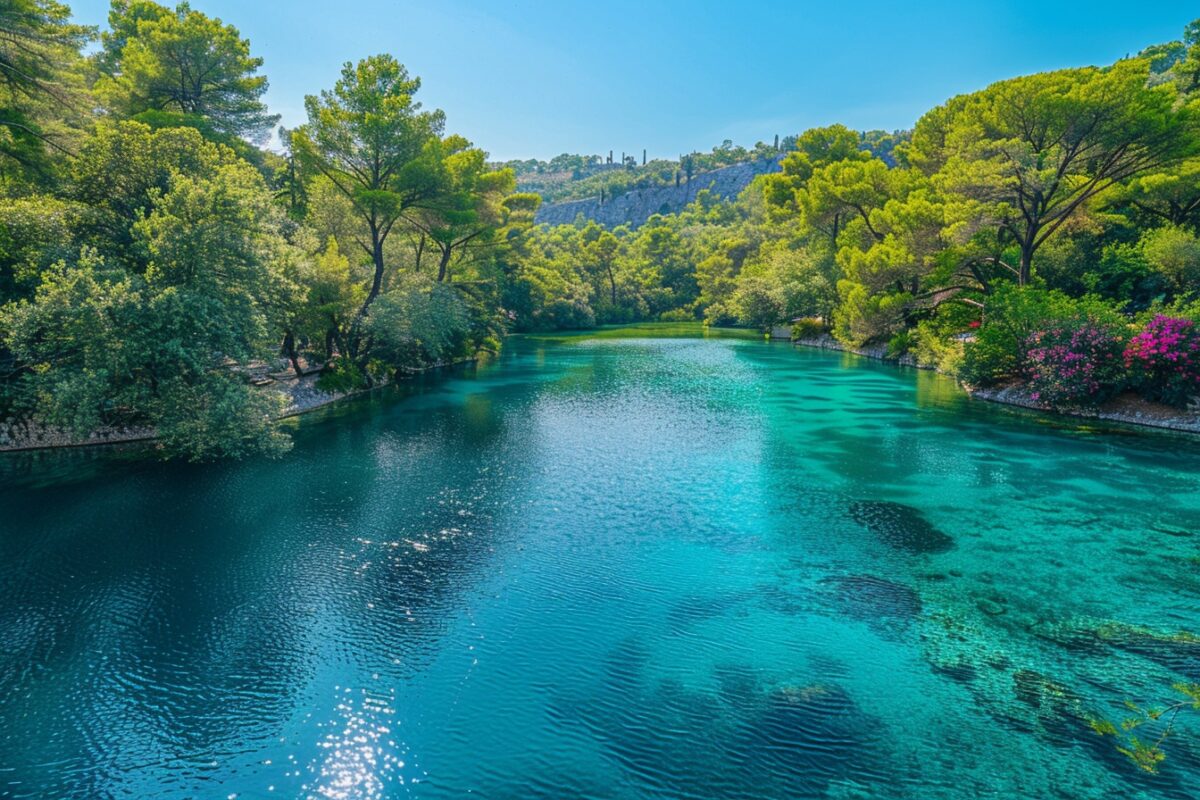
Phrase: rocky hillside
x=637 y=205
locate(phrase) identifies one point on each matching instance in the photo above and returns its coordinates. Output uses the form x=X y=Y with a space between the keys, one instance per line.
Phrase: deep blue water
x=617 y=566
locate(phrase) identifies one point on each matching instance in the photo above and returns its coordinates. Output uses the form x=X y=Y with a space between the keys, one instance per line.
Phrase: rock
x=990 y=607
x=636 y=206
x=900 y=526
x=1178 y=652
x=959 y=671
x=870 y=597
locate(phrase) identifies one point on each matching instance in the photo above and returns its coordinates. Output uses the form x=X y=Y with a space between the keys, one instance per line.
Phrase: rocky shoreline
x=302 y=395
x=1128 y=409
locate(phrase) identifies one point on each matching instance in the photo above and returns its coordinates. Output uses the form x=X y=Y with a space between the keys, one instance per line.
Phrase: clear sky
x=523 y=78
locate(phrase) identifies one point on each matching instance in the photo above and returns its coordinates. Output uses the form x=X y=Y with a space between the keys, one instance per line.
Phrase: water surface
x=626 y=565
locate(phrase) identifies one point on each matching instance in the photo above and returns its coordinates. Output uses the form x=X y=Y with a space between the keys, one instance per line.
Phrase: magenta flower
x=1162 y=359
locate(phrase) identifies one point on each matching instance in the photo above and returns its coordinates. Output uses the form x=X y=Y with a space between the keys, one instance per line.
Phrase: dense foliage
x=153 y=260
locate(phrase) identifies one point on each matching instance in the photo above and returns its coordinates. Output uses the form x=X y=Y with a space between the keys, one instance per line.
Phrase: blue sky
x=533 y=79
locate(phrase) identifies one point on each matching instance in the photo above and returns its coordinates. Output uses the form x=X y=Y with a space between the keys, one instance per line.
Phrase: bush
x=341 y=375
x=565 y=313
x=1014 y=314
x=808 y=328
x=759 y=303
x=719 y=316
x=1164 y=360
x=900 y=344
x=1175 y=253
x=419 y=323
x=678 y=315
x=933 y=347
x=1075 y=366
x=219 y=417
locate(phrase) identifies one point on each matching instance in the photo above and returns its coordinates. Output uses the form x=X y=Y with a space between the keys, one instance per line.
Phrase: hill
x=635 y=206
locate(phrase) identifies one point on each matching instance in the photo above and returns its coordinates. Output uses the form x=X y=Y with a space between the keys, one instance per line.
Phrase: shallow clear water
x=615 y=566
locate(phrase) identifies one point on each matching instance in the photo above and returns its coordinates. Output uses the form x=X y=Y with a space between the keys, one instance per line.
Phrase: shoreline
x=23 y=436
x=303 y=397
x=1126 y=409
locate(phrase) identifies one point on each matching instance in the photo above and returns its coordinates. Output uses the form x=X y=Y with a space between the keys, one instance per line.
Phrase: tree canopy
x=180 y=61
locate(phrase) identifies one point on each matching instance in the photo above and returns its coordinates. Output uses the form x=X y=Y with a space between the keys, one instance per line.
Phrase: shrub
x=759 y=303
x=565 y=313
x=678 y=315
x=341 y=375
x=719 y=315
x=1074 y=366
x=1175 y=253
x=900 y=344
x=1014 y=314
x=419 y=323
x=1164 y=360
x=808 y=328
x=935 y=348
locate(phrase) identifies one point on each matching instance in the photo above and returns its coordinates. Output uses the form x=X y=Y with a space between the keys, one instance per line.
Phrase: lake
x=641 y=563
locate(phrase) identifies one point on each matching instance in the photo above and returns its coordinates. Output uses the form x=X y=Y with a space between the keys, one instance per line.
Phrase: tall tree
x=39 y=80
x=467 y=208
x=371 y=140
x=815 y=148
x=181 y=61
x=1025 y=154
x=148 y=332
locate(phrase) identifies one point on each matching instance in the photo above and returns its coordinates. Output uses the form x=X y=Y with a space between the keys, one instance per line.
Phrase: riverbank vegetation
x=154 y=249
x=1042 y=230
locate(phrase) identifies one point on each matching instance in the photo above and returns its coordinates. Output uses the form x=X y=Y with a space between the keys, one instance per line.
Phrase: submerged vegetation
x=1043 y=230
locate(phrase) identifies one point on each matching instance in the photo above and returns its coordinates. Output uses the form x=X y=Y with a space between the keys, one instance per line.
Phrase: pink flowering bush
x=1164 y=360
x=1074 y=366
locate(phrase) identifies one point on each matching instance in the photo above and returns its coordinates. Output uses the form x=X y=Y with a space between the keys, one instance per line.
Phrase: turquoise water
x=617 y=566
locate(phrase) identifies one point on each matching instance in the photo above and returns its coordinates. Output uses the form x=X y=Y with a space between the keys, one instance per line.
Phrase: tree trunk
x=444 y=263
x=289 y=350
x=377 y=279
x=612 y=282
x=1025 y=268
x=376 y=286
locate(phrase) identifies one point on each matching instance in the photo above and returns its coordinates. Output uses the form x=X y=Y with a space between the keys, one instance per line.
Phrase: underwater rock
x=1037 y=691
x=1072 y=639
x=960 y=671
x=868 y=597
x=1056 y=709
x=1178 y=652
x=990 y=607
x=1171 y=530
x=900 y=526
x=810 y=735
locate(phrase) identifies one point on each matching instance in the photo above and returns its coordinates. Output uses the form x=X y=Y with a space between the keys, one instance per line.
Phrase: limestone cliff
x=636 y=206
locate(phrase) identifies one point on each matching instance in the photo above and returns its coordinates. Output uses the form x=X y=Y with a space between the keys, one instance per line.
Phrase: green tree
x=158 y=332
x=1170 y=196
x=333 y=294
x=1026 y=154
x=155 y=59
x=370 y=139
x=466 y=209
x=41 y=85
